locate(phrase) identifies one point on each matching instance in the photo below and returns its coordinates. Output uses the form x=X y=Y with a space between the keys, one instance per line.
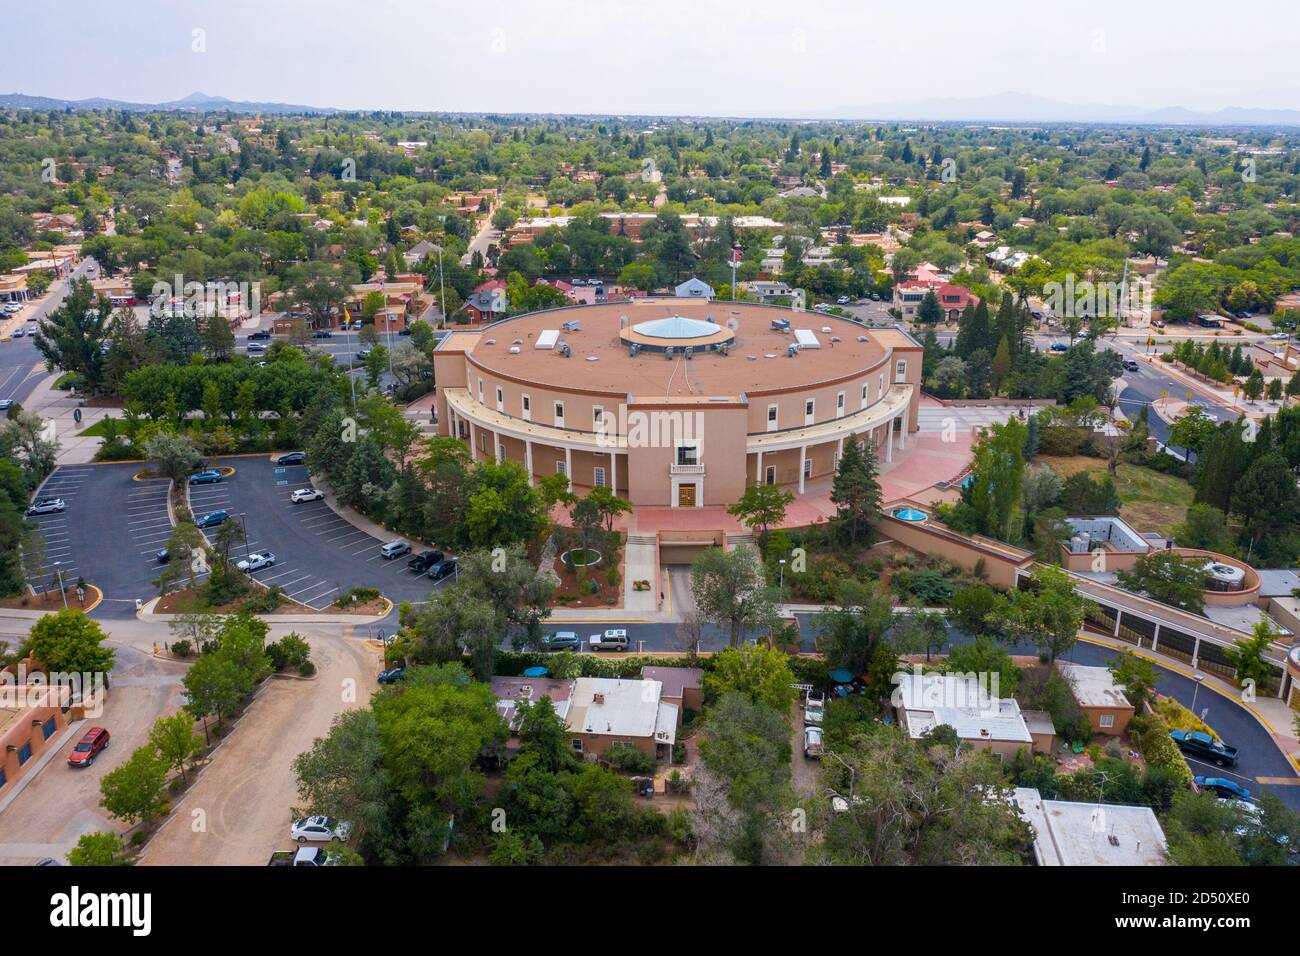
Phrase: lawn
x=1152 y=501
x=97 y=430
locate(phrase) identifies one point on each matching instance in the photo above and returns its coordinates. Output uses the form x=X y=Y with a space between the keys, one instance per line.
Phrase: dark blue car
x=207 y=477
x=212 y=519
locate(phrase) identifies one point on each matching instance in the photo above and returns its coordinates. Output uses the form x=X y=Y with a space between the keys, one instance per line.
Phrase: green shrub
x=1151 y=737
x=356 y=596
x=622 y=756
x=182 y=648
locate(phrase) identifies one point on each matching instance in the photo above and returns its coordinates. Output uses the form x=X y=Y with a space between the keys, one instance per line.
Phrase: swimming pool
x=910 y=514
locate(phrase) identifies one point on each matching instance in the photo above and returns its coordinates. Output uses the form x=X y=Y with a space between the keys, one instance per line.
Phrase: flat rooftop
x=1090 y=834
x=757 y=361
x=1093 y=686
x=621 y=707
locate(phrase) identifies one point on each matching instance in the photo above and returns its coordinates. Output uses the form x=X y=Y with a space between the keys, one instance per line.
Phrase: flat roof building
x=1091 y=834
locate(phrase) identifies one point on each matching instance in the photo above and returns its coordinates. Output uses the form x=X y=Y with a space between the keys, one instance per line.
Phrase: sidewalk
x=1276 y=717
x=59 y=407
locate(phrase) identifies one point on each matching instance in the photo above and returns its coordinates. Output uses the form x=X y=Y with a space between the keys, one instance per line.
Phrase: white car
x=320 y=830
x=814 y=714
x=306 y=494
x=1279 y=336
x=256 y=561
x=45 y=506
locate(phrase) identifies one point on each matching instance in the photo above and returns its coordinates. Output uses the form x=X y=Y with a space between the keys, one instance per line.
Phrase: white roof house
x=1093 y=686
x=1091 y=834
x=622 y=708
x=976 y=713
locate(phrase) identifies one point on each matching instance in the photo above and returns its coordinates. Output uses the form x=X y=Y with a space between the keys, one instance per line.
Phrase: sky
x=798 y=58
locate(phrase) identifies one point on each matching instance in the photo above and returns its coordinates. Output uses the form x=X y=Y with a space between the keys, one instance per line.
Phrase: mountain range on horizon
x=1008 y=107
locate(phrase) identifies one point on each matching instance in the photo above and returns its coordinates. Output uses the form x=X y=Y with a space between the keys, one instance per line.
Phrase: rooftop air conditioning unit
x=572 y=325
x=514 y=350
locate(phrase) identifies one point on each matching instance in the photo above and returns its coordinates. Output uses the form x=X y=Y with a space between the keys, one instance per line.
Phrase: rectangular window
x=807 y=467
x=3 y=778
x=688 y=455
x=597 y=416
x=900 y=371
x=839 y=404
x=577 y=745
x=559 y=466
x=1107 y=720
x=48 y=728
x=770 y=477
x=599 y=479
x=480 y=390
x=865 y=387
x=24 y=753
x=771 y=418
x=501 y=399
x=809 y=411
x=527 y=404
x=559 y=414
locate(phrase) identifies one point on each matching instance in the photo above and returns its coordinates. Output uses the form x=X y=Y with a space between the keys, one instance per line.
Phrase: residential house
x=694 y=288
x=487 y=303
x=1091 y=834
x=1099 y=697
x=513 y=693
x=909 y=295
x=680 y=686
x=608 y=710
x=924 y=702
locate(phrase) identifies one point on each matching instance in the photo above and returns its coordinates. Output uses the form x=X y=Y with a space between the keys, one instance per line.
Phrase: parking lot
x=318 y=554
x=110 y=533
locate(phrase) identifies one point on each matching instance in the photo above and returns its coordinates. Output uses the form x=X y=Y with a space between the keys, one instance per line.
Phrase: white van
x=615 y=639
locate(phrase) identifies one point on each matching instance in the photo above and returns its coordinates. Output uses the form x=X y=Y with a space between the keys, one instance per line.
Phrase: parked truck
x=303 y=856
x=1201 y=745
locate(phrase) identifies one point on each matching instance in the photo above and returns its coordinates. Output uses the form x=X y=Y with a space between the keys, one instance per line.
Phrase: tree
x=218 y=339
x=1192 y=430
x=757 y=672
x=730 y=590
x=1166 y=577
x=175 y=740
x=1266 y=497
x=342 y=775
x=850 y=631
x=608 y=505
x=761 y=506
x=321 y=288
x=855 y=492
x=68 y=642
x=71 y=337
x=1137 y=676
x=212 y=688
x=98 y=849
x=1048 y=613
x=746 y=747
x=923 y=631
x=1247 y=655
x=929 y=312
x=1253 y=387
x=136 y=790
x=971 y=610
x=174 y=455
x=999 y=469
x=914 y=805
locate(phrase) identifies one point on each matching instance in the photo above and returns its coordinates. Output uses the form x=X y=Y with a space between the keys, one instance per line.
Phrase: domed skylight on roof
x=676 y=327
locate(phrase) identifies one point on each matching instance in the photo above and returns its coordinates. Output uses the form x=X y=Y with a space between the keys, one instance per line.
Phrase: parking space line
x=322 y=584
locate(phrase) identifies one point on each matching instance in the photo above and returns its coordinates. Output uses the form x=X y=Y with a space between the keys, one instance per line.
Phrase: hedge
x=1157 y=748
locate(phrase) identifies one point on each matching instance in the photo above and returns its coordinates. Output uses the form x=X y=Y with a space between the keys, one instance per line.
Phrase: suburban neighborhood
x=443 y=486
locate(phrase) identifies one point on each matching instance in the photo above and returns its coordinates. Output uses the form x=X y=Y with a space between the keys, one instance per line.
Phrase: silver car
x=45 y=506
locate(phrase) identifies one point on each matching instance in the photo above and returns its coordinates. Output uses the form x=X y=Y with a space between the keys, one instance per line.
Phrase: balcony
x=696 y=469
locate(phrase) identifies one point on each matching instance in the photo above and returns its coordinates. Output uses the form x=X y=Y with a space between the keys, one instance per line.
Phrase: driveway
x=246 y=793
x=318 y=552
x=59 y=803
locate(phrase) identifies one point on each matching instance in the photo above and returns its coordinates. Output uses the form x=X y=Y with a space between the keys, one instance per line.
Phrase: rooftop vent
x=598 y=698
x=490 y=342
x=514 y=350
x=593 y=358
x=573 y=325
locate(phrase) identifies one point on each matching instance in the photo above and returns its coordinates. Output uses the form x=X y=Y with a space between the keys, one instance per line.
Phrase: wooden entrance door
x=686 y=496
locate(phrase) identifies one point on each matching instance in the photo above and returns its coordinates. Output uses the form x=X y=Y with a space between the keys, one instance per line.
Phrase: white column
x=1155 y=637
x=889 y=441
x=568 y=465
x=758 y=468
x=1196 y=653
x=803 y=455
x=473 y=442
x=496 y=441
x=902 y=432
x=839 y=450
x=613 y=470
x=528 y=460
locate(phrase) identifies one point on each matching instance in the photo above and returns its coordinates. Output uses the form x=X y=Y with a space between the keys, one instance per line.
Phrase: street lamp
x=1196 y=687
x=782 y=584
x=59 y=572
x=244 y=528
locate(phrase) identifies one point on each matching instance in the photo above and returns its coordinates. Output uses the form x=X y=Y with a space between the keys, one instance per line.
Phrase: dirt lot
x=238 y=811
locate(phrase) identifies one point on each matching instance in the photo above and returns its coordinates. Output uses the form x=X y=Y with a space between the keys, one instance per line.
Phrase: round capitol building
x=676 y=402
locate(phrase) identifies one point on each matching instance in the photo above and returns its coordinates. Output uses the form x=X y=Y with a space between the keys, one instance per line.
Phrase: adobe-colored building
x=1099 y=697
x=677 y=402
